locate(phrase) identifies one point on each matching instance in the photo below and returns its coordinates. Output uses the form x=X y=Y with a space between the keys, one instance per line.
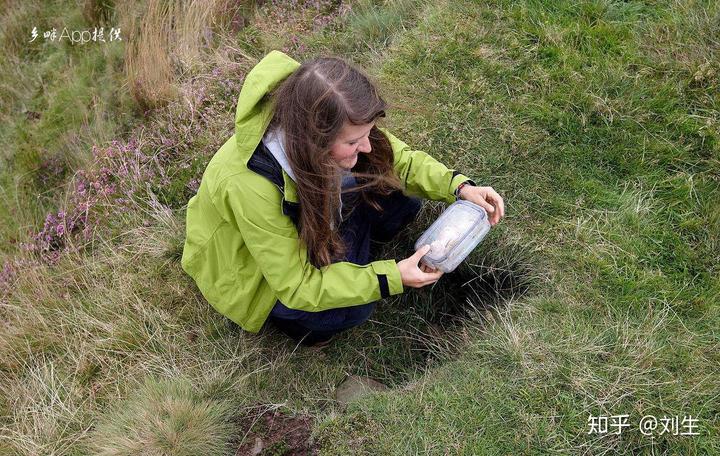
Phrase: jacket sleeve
x=422 y=175
x=254 y=204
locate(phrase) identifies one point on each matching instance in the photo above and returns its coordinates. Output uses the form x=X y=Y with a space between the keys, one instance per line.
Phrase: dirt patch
x=275 y=433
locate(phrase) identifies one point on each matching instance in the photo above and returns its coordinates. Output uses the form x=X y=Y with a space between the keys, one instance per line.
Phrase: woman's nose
x=365 y=146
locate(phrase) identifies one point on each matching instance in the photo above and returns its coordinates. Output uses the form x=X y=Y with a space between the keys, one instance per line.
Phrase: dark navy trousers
x=361 y=226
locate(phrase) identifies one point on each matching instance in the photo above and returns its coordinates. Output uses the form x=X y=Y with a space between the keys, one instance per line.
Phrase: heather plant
x=58 y=100
x=118 y=173
x=121 y=173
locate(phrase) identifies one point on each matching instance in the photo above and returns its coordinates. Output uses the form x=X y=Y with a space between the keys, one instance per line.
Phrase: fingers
x=495 y=217
x=425 y=283
x=434 y=275
x=430 y=277
x=487 y=206
x=415 y=273
x=499 y=205
x=427 y=276
x=420 y=253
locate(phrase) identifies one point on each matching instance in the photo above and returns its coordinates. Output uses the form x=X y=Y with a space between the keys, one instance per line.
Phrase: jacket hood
x=253 y=113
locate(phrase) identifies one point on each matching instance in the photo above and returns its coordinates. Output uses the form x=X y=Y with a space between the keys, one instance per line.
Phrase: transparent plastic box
x=454 y=235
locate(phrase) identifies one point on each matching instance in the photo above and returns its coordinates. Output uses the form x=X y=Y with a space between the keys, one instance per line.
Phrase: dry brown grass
x=167 y=40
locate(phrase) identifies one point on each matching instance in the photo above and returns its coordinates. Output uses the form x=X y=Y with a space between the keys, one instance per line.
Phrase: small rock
x=355 y=386
x=259 y=446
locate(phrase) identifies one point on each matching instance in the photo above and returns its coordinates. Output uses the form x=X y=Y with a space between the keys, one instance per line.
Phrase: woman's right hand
x=412 y=275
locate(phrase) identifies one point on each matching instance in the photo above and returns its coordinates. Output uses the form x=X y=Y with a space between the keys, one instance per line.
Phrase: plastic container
x=454 y=235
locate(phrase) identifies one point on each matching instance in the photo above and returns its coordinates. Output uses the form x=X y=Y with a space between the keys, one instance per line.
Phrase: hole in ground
x=419 y=328
x=492 y=276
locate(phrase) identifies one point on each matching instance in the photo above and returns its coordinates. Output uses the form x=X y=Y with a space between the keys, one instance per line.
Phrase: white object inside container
x=456 y=233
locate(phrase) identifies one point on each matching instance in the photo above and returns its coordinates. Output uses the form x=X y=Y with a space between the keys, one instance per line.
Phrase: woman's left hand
x=487 y=198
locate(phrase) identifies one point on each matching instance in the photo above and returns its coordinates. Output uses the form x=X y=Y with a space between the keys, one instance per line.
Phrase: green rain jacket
x=244 y=253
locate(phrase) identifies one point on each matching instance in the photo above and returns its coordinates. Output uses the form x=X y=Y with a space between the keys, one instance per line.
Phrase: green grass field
x=597 y=295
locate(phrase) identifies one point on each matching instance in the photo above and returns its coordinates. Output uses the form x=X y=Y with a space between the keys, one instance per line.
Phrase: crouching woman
x=281 y=226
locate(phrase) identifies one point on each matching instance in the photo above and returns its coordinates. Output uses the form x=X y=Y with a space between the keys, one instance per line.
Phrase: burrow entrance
x=409 y=333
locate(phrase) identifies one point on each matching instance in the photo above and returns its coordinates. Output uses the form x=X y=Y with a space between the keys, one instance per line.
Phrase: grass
x=594 y=139
x=72 y=97
x=597 y=295
x=58 y=100
x=168 y=417
x=167 y=42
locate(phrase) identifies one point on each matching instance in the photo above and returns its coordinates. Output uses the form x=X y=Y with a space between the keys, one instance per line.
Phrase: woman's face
x=352 y=140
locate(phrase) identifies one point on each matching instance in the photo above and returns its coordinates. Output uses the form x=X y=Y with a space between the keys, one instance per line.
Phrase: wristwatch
x=467 y=182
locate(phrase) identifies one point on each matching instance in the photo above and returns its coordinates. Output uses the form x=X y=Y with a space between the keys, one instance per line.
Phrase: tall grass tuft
x=165 y=418
x=166 y=40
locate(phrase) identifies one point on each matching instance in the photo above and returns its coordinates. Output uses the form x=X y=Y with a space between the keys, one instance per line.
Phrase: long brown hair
x=310 y=107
